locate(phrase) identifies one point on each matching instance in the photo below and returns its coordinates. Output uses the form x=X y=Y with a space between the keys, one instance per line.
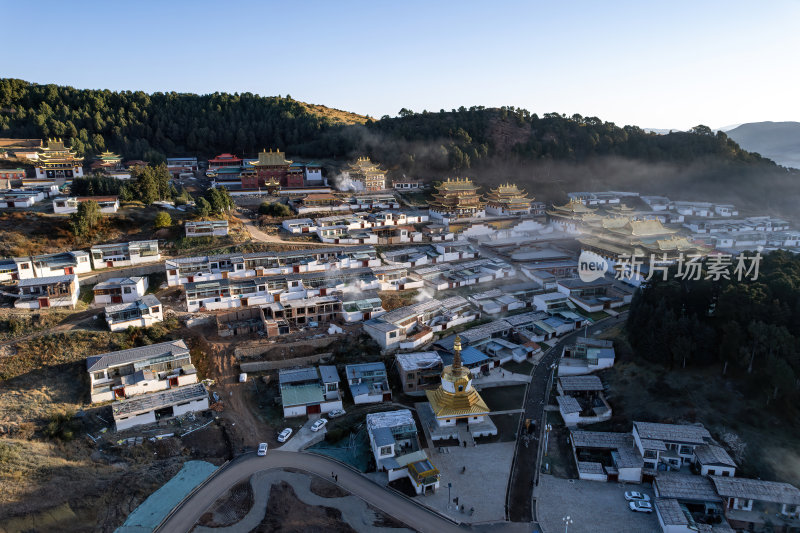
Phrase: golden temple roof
x=574 y=207
x=457 y=184
x=465 y=401
x=508 y=194
x=56 y=153
x=675 y=243
x=614 y=222
x=364 y=166
x=647 y=228
x=271 y=159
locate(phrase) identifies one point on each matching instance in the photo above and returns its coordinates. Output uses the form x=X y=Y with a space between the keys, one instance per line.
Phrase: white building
x=66 y=263
x=125 y=254
x=69 y=204
x=206 y=228
x=412 y=326
x=359 y=308
x=309 y=391
x=550 y=301
x=395 y=445
x=713 y=460
x=142 y=370
x=216 y=267
x=585 y=356
x=606 y=456
x=150 y=408
x=16 y=268
x=46 y=292
x=120 y=290
x=368 y=383
x=758 y=505
x=672 y=445
x=299 y=225
x=141 y=313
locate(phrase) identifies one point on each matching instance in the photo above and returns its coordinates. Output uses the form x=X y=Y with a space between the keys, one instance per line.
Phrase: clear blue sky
x=669 y=64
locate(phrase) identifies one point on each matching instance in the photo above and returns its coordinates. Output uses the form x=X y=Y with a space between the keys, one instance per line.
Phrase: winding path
x=416 y=517
x=354 y=510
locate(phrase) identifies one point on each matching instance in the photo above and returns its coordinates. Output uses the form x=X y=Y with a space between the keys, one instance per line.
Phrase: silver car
x=633 y=496
x=641 y=506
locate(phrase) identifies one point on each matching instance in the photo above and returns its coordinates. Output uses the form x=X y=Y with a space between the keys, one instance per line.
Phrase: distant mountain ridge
x=779 y=141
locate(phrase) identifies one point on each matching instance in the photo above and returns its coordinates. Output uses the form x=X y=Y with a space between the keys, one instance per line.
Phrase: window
x=392 y=334
x=99 y=375
x=386 y=450
x=126 y=290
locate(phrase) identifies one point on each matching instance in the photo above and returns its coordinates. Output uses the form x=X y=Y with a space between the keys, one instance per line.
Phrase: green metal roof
x=310 y=393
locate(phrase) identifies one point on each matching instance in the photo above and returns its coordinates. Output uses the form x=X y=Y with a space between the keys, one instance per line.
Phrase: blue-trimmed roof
x=469 y=357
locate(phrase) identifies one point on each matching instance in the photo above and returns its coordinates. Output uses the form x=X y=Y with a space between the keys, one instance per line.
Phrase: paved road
x=241 y=469
x=522 y=478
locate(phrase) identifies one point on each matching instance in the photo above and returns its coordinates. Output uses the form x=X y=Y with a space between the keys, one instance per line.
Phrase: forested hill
x=152 y=126
x=548 y=154
x=140 y=125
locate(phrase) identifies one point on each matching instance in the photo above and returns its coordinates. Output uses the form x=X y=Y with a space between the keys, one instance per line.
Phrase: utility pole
x=449 y=486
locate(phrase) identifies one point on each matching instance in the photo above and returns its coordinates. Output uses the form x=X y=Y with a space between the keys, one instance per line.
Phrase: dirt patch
x=231 y=508
x=287 y=514
x=326 y=489
x=383 y=520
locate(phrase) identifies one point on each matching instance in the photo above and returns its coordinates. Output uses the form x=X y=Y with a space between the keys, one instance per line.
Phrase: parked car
x=284 y=435
x=319 y=424
x=336 y=413
x=641 y=506
x=262 y=449
x=633 y=496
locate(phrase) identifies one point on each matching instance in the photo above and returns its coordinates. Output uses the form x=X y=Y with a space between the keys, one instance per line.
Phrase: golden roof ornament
x=457 y=353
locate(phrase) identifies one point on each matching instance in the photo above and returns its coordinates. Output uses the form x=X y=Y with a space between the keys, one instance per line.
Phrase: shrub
x=25 y=430
x=62 y=426
x=8 y=453
x=274 y=209
x=163 y=220
x=334 y=435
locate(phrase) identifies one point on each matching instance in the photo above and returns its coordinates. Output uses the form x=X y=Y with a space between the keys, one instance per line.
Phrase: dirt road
x=70 y=323
x=246 y=429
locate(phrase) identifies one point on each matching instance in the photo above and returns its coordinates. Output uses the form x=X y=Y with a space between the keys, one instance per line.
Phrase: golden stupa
x=456 y=398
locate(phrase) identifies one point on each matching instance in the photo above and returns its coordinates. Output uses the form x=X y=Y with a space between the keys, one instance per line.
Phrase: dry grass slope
x=337 y=116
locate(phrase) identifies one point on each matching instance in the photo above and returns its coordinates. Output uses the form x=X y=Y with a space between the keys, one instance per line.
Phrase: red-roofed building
x=224 y=160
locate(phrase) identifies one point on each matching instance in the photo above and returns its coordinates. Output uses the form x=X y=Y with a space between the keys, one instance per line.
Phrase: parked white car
x=336 y=413
x=262 y=449
x=633 y=496
x=641 y=506
x=319 y=424
x=284 y=435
